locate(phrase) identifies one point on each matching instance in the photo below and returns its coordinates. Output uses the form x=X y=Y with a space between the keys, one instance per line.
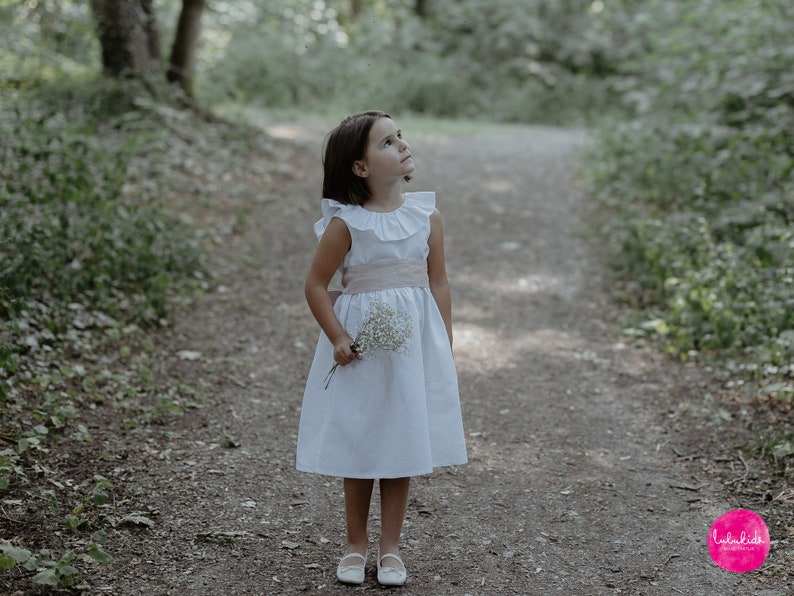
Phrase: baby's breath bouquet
x=384 y=328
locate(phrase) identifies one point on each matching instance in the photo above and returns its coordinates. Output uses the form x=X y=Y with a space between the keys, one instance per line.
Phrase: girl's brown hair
x=346 y=144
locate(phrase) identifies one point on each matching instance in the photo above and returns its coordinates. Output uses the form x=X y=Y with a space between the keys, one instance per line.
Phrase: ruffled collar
x=399 y=224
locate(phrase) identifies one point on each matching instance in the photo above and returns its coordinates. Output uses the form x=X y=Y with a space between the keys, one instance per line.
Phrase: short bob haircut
x=346 y=144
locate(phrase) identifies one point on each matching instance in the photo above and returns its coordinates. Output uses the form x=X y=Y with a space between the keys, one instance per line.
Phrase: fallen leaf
x=137 y=520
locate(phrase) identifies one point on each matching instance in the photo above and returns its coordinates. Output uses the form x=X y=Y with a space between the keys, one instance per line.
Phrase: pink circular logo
x=739 y=541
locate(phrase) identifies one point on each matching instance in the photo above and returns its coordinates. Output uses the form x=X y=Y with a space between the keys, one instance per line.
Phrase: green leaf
x=20 y=555
x=48 y=577
x=89 y=385
x=783 y=449
x=67 y=571
x=66 y=557
x=72 y=522
x=147 y=376
x=53 y=497
x=96 y=553
x=6 y=563
x=657 y=325
x=99 y=497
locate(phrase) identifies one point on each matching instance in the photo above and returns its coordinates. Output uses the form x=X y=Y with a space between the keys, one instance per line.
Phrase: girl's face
x=388 y=155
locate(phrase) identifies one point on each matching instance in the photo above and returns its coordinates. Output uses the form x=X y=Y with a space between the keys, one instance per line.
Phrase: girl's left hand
x=343 y=353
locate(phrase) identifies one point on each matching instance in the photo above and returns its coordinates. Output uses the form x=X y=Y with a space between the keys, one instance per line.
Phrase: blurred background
x=133 y=144
x=690 y=105
x=523 y=61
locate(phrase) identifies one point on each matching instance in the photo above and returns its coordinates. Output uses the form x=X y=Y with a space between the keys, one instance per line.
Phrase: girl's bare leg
x=358 y=494
x=393 y=502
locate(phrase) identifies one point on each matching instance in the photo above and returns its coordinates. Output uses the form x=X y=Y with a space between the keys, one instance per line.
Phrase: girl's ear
x=360 y=169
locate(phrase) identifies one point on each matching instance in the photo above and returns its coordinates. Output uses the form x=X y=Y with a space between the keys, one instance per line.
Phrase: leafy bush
x=520 y=61
x=90 y=252
x=43 y=40
x=700 y=186
x=71 y=231
x=60 y=572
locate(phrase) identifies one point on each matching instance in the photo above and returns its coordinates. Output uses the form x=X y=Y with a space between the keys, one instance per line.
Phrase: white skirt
x=391 y=414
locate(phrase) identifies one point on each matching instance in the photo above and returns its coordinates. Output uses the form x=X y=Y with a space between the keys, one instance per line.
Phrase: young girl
x=391 y=413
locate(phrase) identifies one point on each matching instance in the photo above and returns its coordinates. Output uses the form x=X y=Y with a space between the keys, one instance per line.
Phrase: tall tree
x=183 y=53
x=127 y=31
x=356 y=8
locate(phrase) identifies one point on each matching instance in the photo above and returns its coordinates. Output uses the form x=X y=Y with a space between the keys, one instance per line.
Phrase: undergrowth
x=100 y=192
x=697 y=194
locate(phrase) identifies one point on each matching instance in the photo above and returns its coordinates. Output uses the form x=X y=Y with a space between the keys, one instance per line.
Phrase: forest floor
x=597 y=465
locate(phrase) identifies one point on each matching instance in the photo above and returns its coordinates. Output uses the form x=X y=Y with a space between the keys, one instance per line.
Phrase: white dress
x=391 y=414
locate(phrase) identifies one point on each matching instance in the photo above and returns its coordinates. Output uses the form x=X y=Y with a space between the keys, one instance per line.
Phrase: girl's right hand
x=343 y=354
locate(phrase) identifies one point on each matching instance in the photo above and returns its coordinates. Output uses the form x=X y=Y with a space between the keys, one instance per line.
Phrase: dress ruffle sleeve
x=330 y=209
x=401 y=223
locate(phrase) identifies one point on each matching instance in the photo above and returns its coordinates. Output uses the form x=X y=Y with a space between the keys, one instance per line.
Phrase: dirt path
x=574 y=484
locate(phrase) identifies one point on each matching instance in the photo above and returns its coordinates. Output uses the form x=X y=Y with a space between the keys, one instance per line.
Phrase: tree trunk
x=420 y=8
x=153 y=38
x=183 y=53
x=127 y=31
x=356 y=8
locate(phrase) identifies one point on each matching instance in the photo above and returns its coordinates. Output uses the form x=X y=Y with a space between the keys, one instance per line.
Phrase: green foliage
x=72 y=233
x=8 y=363
x=10 y=467
x=776 y=445
x=84 y=549
x=13 y=556
x=537 y=60
x=700 y=186
x=57 y=573
x=530 y=61
x=93 y=249
x=44 y=40
x=88 y=252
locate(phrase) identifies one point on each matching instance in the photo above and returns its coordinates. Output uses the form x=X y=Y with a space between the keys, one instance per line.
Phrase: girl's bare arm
x=334 y=245
x=437 y=271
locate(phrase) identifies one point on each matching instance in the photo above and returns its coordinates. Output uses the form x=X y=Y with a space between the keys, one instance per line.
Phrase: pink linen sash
x=383 y=275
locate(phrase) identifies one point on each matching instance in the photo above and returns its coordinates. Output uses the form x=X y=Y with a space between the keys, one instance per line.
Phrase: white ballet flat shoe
x=352 y=574
x=388 y=575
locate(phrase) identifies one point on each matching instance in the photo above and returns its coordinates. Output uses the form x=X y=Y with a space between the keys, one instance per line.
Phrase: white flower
x=385 y=328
